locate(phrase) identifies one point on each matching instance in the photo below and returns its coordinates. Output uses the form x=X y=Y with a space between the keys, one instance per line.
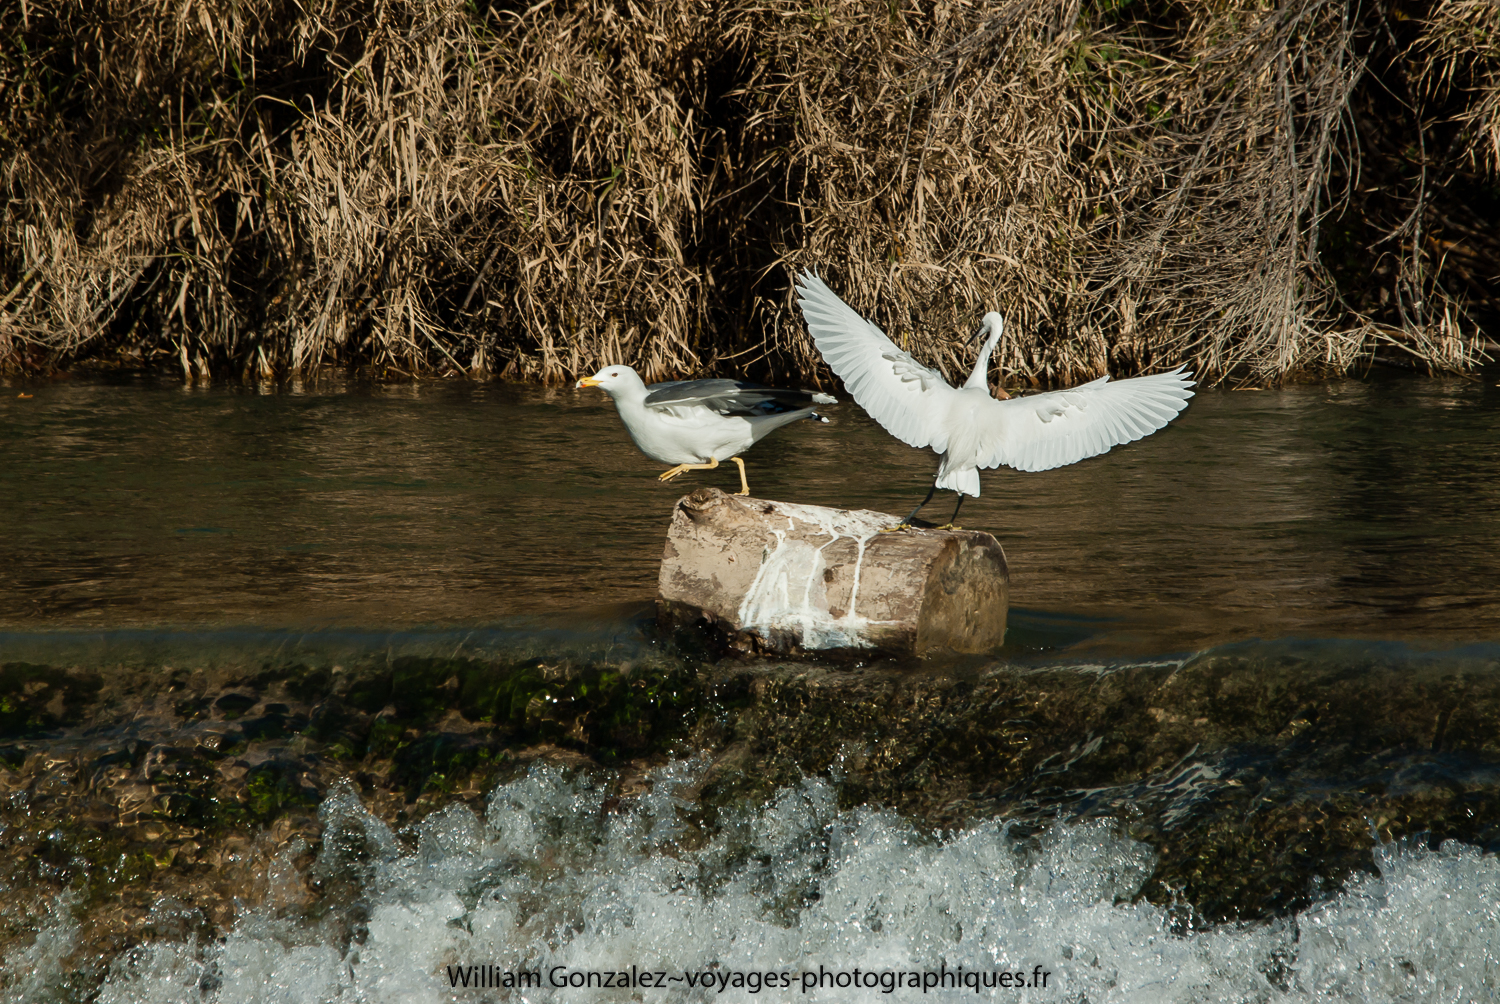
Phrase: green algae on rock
x=1262 y=774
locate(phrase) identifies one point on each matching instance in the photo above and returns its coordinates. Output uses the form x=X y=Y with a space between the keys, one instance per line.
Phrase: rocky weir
x=1262 y=775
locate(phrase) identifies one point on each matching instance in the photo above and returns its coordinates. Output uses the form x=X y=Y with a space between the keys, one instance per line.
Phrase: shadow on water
x=1038 y=631
x=620 y=633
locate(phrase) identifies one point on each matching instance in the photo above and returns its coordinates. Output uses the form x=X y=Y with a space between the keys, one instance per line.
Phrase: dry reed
x=264 y=188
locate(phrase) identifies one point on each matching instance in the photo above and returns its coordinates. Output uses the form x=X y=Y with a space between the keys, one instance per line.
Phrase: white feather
x=968 y=427
x=897 y=391
x=1044 y=431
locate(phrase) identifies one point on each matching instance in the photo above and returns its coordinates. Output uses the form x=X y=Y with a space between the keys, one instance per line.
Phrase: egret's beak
x=586 y=382
x=977 y=335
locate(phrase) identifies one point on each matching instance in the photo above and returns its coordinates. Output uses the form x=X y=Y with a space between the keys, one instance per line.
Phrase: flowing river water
x=348 y=692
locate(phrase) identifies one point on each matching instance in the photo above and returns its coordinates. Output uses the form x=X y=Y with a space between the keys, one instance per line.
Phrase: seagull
x=967 y=427
x=696 y=423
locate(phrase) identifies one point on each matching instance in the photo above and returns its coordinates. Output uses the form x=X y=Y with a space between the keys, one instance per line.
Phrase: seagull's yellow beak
x=586 y=382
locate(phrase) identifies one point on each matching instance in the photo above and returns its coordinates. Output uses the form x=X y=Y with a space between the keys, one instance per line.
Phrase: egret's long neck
x=980 y=377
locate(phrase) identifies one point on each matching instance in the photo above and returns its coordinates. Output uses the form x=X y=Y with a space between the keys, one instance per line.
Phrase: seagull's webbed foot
x=682 y=468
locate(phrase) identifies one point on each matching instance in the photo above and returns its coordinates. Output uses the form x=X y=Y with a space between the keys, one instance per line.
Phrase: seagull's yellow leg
x=669 y=475
x=744 y=485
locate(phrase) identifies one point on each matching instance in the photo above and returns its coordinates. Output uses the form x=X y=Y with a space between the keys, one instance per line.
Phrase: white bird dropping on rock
x=968 y=427
x=697 y=423
x=775 y=577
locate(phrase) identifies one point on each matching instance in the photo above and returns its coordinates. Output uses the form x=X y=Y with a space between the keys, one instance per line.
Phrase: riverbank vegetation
x=258 y=189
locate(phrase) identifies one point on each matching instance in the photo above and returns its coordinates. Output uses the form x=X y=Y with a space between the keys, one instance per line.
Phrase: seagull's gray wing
x=731 y=397
x=1043 y=431
x=904 y=396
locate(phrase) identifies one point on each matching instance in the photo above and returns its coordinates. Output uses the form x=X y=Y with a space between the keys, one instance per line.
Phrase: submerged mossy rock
x=37 y=698
x=1261 y=775
x=155 y=781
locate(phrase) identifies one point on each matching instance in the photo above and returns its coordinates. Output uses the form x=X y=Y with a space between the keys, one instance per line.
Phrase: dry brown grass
x=1128 y=196
x=262 y=188
x=1460 y=50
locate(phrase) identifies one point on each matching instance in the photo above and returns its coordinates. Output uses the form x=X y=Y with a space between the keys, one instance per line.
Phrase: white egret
x=696 y=423
x=968 y=427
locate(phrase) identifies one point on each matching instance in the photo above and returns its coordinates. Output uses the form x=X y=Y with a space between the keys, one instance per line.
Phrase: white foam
x=34 y=972
x=551 y=878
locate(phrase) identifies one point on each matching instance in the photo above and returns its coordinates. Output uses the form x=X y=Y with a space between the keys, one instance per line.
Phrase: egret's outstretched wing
x=900 y=393
x=1044 y=431
x=731 y=397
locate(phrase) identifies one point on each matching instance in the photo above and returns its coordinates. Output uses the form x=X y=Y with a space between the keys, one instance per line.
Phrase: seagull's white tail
x=964 y=480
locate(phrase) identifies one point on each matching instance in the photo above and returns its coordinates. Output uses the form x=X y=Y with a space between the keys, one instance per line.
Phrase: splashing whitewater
x=550 y=877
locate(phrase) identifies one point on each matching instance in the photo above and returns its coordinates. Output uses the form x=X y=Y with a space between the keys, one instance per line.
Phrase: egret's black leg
x=918 y=509
x=906 y=523
x=952 y=524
